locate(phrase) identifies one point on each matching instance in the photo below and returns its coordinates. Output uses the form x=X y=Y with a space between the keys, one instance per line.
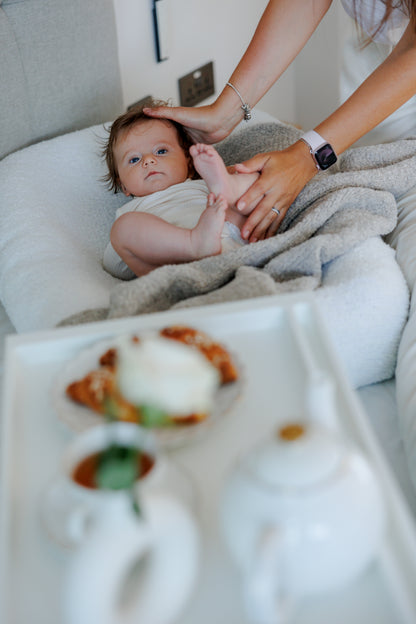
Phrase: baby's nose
x=148 y=159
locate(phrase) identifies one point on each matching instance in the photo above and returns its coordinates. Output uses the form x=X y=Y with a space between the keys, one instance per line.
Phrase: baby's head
x=145 y=155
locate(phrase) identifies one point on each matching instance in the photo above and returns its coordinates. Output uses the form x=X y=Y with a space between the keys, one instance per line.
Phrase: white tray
x=259 y=332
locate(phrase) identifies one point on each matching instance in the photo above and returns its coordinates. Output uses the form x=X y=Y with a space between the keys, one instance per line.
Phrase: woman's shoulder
x=369 y=14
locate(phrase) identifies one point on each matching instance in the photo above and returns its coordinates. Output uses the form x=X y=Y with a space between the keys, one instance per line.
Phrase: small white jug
x=302 y=513
x=110 y=543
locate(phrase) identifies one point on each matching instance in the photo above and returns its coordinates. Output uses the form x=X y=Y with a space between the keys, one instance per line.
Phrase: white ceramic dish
x=260 y=333
x=78 y=417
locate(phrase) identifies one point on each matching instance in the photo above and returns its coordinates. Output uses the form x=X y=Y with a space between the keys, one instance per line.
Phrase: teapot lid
x=298 y=455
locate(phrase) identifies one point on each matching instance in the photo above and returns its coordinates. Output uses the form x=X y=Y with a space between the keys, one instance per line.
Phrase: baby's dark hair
x=126 y=121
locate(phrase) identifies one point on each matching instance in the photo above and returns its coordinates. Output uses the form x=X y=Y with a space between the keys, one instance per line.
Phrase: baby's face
x=149 y=158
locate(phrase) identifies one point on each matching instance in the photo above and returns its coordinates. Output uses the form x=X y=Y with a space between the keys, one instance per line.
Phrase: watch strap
x=315 y=141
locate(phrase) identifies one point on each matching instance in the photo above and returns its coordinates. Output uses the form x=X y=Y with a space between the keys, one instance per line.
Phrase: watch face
x=325 y=156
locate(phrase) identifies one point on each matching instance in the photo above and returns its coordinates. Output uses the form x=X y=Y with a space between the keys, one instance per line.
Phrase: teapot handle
x=268 y=598
x=98 y=573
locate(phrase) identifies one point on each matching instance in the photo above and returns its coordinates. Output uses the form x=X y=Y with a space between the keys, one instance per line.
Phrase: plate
x=79 y=417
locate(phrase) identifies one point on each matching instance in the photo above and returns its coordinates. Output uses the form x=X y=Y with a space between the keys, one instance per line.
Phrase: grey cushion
x=59 y=68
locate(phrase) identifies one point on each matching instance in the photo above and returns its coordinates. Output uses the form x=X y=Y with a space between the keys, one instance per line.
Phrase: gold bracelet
x=246 y=107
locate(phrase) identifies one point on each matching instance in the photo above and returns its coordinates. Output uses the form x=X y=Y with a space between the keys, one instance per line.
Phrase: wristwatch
x=321 y=151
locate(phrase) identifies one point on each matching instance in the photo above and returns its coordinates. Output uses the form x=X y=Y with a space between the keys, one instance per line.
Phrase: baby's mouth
x=152 y=173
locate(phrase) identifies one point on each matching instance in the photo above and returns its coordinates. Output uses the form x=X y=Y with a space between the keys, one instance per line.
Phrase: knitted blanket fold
x=336 y=211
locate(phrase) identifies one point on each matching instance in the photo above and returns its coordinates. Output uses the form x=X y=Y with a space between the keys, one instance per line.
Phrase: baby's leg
x=213 y=171
x=146 y=242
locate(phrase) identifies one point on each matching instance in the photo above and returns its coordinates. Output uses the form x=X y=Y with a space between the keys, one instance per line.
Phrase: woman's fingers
x=283 y=175
x=200 y=122
x=262 y=188
x=185 y=116
x=274 y=226
x=259 y=200
x=263 y=222
x=256 y=192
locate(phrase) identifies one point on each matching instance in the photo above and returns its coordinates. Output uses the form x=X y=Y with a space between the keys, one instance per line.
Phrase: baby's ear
x=125 y=191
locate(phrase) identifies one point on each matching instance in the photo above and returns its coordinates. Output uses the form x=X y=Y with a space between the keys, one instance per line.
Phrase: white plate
x=78 y=417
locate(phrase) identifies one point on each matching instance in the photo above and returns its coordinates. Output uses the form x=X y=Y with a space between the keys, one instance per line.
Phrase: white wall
x=220 y=30
x=317 y=68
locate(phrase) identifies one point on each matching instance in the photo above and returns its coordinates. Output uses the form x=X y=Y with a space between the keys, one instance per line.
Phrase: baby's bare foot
x=206 y=235
x=211 y=168
x=213 y=171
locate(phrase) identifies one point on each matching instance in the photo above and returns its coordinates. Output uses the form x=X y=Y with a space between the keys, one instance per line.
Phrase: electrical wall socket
x=197 y=86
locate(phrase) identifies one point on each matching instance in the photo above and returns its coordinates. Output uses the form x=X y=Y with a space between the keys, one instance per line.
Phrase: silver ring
x=276 y=210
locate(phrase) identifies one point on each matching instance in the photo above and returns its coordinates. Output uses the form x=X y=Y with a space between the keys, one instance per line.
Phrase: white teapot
x=122 y=567
x=302 y=513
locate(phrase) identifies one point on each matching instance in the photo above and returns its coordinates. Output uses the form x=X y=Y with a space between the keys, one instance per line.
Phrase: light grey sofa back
x=58 y=68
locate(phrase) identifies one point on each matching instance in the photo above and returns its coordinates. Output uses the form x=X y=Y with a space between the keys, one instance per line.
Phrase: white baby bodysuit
x=182 y=205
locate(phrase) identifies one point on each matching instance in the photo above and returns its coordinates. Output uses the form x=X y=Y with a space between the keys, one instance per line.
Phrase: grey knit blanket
x=336 y=211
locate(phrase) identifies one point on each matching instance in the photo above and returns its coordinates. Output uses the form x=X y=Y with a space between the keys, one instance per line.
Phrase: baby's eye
x=161 y=150
x=134 y=160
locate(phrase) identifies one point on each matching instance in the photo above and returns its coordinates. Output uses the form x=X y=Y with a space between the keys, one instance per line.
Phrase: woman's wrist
x=228 y=108
x=302 y=153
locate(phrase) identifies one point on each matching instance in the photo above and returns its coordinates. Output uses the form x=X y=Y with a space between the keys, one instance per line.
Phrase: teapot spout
x=320 y=399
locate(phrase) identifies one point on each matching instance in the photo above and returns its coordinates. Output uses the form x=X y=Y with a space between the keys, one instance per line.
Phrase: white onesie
x=180 y=204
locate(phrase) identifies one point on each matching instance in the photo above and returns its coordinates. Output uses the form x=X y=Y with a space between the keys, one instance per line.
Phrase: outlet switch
x=197 y=86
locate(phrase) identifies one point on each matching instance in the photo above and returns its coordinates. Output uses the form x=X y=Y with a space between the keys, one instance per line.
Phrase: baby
x=173 y=217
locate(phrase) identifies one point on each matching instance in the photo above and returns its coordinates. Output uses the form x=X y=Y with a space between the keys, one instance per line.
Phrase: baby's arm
x=146 y=242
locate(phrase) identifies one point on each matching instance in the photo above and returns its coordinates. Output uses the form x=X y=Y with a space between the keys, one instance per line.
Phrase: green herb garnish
x=118 y=467
x=151 y=416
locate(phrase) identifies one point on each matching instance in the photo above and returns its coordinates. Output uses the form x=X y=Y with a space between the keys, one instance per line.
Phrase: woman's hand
x=204 y=124
x=283 y=175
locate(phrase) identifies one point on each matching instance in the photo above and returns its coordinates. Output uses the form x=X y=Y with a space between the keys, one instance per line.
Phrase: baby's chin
x=158 y=183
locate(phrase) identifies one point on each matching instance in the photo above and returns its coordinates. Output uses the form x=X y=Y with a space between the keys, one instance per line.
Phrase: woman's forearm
x=283 y=30
x=285 y=173
x=383 y=92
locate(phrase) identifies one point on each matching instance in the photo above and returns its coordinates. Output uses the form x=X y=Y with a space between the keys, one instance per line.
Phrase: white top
x=370 y=14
